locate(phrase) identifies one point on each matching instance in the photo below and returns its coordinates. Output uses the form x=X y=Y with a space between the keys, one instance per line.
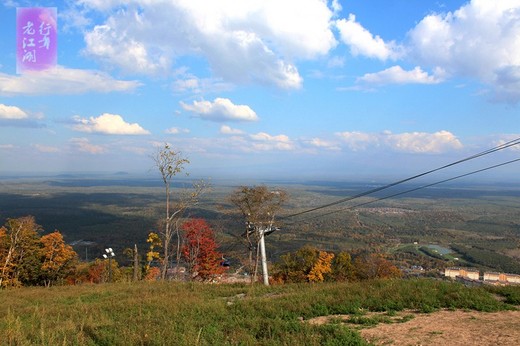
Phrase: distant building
x=492 y=276
x=513 y=278
x=501 y=278
x=467 y=273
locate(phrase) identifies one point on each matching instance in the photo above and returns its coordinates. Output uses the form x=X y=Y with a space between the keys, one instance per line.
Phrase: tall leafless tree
x=170 y=163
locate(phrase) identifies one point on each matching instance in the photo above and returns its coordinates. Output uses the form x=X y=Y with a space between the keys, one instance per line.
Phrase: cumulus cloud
x=12 y=112
x=411 y=142
x=359 y=140
x=110 y=124
x=422 y=142
x=12 y=116
x=226 y=130
x=83 y=145
x=103 y=43
x=263 y=141
x=480 y=40
x=247 y=42
x=396 y=75
x=62 y=81
x=221 y=109
x=362 y=42
x=324 y=144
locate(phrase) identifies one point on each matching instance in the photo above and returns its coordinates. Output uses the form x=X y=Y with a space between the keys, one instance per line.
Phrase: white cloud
x=103 y=43
x=422 y=142
x=508 y=139
x=182 y=85
x=194 y=85
x=507 y=84
x=83 y=144
x=263 y=141
x=226 y=130
x=46 y=148
x=176 y=131
x=6 y=146
x=396 y=75
x=362 y=42
x=481 y=40
x=336 y=6
x=336 y=62
x=73 y=18
x=62 y=80
x=411 y=142
x=359 y=140
x=12 y=112
x=111 y=124
x=252 y=41
x=324 y=144
x=221 y=109
x=101 y=4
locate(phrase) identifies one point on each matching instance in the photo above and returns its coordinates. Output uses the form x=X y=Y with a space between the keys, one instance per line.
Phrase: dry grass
x=200 y=314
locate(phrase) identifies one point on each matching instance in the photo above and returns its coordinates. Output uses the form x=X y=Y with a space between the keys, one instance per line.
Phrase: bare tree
x=170 y=163
x=259 y=206
x=137 y=267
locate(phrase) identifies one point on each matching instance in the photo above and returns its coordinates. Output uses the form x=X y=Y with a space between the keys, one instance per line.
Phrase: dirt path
x=447 y=328
x=450 y=328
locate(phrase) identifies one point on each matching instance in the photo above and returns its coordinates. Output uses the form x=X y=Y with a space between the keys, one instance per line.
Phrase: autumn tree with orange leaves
x=375 y=266
x=296 y=266
x=308 y=264
x=28 y=259
x=321 y=267
x=57 y=258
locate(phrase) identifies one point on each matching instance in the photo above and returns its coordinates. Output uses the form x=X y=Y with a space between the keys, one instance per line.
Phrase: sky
x=308 y=89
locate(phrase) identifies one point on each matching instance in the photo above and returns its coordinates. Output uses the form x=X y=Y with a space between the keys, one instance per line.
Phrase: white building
x=466 y=273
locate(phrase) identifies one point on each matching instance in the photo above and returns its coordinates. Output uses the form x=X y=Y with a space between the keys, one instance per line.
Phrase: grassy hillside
x=200 y=314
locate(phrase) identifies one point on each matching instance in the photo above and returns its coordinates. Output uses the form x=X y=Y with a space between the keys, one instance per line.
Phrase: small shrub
x=405 y=318
x=510 y=293
x=338 y=335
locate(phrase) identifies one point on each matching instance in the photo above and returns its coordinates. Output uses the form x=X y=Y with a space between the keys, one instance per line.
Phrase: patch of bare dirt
x=454 y=328
x=450 y=328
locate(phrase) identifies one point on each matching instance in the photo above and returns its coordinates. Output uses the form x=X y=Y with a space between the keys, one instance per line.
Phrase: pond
x=440 y=249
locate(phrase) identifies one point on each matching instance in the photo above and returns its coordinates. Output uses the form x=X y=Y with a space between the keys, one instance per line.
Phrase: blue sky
x=265 y=88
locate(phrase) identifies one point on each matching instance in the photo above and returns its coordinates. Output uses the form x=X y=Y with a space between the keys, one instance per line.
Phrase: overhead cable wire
x=483 y=153
x=412 y=190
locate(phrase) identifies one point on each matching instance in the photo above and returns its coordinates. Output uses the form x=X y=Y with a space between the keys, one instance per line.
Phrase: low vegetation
x=490 y=259
x=309 y=264
x=167 y=313
x=336 y=276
